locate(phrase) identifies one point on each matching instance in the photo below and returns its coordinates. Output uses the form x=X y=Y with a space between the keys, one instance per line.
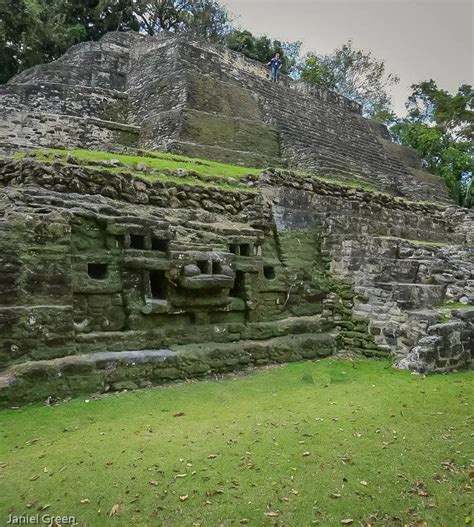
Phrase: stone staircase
x=336 y=144
x=402 y=286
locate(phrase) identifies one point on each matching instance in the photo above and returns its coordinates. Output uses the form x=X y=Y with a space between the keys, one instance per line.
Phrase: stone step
x=219 y=333
x=412 y=296
x=103 y=372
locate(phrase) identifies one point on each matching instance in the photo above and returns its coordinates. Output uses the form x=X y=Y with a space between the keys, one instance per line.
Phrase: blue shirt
x=276 y=63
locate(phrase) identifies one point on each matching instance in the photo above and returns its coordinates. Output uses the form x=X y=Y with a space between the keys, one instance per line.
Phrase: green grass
x=348 y=183
x=152 y=160
x=446 y=308
x=455 y=305
x=237 y=455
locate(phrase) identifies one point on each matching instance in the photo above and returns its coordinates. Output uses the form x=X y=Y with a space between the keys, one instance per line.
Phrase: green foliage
x=440 y=127
x=354 y=73
x=38 y=31
x=310 y=443
x=157 y=166
x=262 y=48
x=204 y=18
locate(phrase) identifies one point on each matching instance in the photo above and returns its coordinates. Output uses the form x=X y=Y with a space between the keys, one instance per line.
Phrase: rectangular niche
x=234 y=248
x=97 y=271
x=245 y=249
x=137 y=241
x=158 y=244
x=238 y=291
x=204 y=266
x=158 y=285
x=216 y=267
x=269 y=272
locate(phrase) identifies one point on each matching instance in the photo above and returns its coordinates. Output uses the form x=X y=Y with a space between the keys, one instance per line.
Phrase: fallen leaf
x=305 y=454
x=153 y=482
x=364 y=483
x=178 y=414
x=335 y=495
x=347 y=521
x=183 y=498
x=272 y=514
x=212 y=456
x=114 y=510
x=420 y=489
x=86 y=500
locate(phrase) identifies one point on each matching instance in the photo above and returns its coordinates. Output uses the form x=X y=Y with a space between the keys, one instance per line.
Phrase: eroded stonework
x=114 y=278
x=182 y=95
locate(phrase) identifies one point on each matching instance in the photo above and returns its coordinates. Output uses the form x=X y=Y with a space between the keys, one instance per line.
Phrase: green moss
x=445 y=310
x=179 y=180
x=211 y=95
x=455 y=305
x=348 y=183
x=233 y=133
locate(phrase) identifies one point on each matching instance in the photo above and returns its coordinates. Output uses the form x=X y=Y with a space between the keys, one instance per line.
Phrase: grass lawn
x=311 y=443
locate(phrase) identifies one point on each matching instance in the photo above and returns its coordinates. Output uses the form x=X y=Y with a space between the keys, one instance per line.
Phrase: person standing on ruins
x=275 y=63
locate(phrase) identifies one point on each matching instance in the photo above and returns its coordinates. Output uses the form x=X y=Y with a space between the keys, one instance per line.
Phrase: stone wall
x=111 y=262
x=404 y=261
x=119 y=275
x=446 y=347
x=187 y=96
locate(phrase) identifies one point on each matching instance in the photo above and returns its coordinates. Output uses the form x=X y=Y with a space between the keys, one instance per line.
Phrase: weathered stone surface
x=175 y=93
x=197 y=277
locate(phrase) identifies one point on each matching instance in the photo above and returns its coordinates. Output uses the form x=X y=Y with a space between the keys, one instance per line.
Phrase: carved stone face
x=209 y=271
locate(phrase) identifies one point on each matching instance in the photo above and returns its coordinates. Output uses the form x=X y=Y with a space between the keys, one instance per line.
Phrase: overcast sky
x=419 y=39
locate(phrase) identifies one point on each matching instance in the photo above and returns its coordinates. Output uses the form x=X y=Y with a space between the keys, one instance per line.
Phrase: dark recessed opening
x=245 y=249
x=234 y=248
x=203 y=266
x=97 y=271
x=158 y=244
x=216 y=267
x=238 y=291
x=137 y=241
x=269 y=272
x=158 y=285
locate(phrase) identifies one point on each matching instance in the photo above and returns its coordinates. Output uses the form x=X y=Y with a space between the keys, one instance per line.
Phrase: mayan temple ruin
x=117 y=274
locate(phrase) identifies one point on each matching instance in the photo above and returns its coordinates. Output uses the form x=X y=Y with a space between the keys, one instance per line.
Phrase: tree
x=262 y=48
x=440 y=126
x=205 y=18
x=37 y=31
x=354 y=73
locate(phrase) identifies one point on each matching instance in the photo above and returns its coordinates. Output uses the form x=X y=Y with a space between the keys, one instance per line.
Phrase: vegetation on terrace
x=166 y=166
x=311 y=443
x=151 y=166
